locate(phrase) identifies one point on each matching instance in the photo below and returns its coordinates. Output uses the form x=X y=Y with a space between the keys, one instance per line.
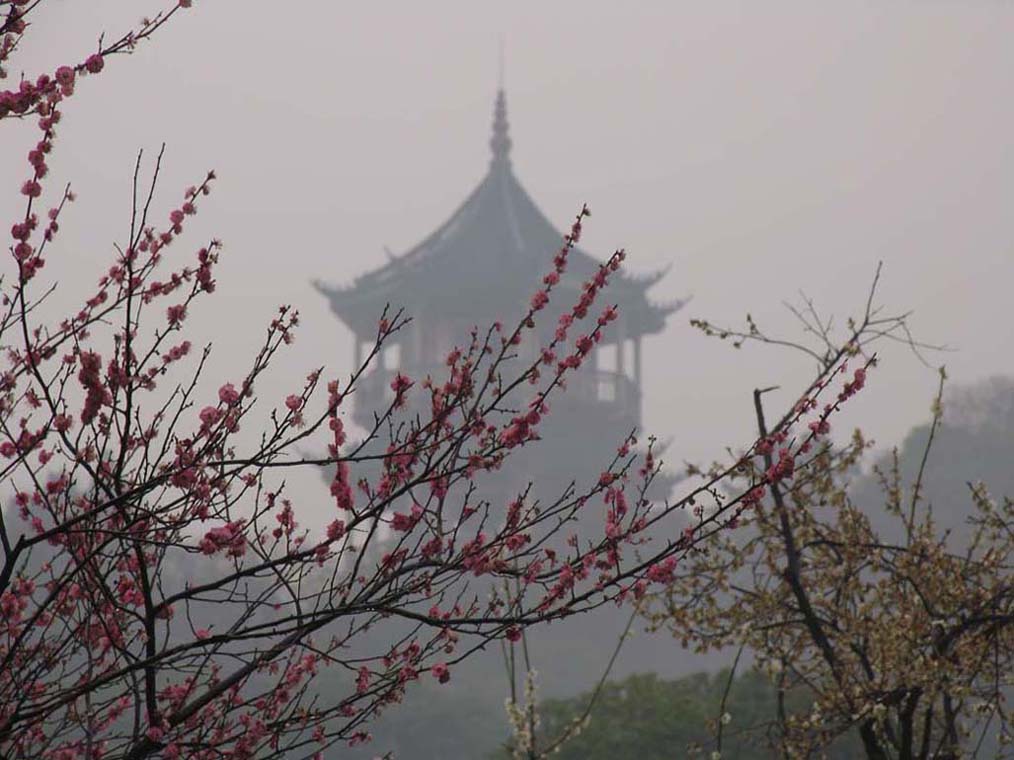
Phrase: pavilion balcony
x=610 y=396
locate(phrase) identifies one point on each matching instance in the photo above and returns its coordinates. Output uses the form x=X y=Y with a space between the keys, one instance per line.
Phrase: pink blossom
x=176 y=314
x=363 y=680
x=820 y=427
x=400 y=385
x=783 y=468
x=89 y=377
x=210 y=415
x=228 y=394
x=229 y=537
x=663 y=572
x=340 y=487
x=22 y=251
x=441 y=672
x=335 y=530
x=65 y=76
x=608 y=315
x=403 y=522
x=752 y=497
x=433 y=547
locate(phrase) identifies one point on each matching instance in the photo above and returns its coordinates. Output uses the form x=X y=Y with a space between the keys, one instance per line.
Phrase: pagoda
x=483 y=264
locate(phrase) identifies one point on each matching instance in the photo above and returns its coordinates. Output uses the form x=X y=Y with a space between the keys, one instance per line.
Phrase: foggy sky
x=758 y=148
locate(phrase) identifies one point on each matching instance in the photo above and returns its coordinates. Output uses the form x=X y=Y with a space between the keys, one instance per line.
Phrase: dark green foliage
x=645 y=717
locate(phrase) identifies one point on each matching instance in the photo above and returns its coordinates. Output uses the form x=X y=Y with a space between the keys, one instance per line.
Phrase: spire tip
x=501 y=141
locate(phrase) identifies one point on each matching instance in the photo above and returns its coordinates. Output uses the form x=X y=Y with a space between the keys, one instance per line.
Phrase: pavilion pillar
x=639 y=395
x=415 y=357
x=621 y=360
x=637 y=362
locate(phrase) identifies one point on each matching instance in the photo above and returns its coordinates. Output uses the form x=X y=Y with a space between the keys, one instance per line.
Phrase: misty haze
x=485 y=381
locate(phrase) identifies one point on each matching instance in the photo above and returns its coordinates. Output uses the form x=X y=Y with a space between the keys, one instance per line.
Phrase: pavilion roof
x=492 y=251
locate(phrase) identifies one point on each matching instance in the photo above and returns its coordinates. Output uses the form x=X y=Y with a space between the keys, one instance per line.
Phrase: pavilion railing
x=613 y=393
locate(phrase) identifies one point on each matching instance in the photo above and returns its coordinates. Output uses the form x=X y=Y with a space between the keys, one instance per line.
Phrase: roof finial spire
x=500 y=64
x=501 y=141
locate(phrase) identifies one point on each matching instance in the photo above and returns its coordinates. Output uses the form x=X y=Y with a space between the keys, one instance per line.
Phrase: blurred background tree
x=645 y=717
